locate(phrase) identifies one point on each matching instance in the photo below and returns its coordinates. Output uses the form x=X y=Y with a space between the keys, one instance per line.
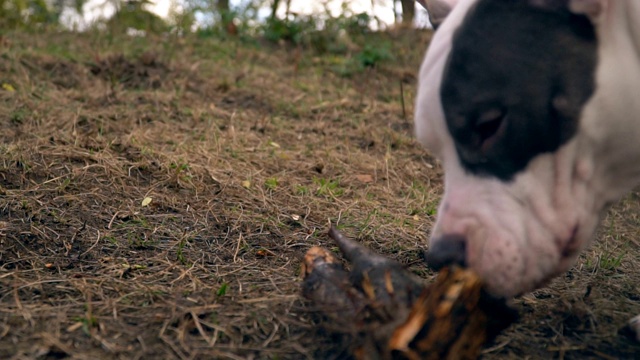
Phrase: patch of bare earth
x=157 y=195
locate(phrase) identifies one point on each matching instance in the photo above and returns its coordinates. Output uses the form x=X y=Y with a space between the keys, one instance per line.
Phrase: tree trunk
x=288 y=10
x=223 y=6
x=408 y=11
x=226 y=16
x=274 y=9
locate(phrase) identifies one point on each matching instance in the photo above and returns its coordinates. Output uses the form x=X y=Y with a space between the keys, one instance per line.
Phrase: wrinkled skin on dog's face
x=529 y=105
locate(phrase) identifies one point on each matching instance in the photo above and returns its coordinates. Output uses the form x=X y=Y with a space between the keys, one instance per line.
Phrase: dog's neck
x=611 y=119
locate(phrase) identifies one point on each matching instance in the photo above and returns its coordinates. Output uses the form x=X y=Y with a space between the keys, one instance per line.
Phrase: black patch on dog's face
x=516 y=80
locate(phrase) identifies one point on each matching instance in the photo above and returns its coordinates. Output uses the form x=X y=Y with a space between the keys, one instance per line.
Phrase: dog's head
x=511 y=99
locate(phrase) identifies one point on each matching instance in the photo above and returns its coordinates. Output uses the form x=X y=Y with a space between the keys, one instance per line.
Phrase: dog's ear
x=589 y=8
x=437 y=9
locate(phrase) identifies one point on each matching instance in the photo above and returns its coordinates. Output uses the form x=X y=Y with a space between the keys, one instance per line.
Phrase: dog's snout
x=449 y=249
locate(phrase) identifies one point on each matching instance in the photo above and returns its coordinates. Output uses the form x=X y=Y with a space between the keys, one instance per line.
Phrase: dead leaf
x=264 y=253
x=365 y=178
x=75 y=326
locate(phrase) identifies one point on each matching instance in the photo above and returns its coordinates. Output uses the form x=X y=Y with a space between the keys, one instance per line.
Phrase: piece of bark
x=383 y=280
x=391 y=314
x=326 y=284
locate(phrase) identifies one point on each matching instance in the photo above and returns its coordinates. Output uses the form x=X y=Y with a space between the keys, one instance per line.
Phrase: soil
x=157 y=196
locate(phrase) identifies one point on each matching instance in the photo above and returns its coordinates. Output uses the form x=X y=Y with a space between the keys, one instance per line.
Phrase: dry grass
x=246 y=152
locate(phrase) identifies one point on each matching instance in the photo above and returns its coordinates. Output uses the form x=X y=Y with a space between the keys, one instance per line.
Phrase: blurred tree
x=227 y=16
x=274 y=9
x=132 y=14
x=408 y=11
x=33 y=14
x=182 y=20
x=230 y=17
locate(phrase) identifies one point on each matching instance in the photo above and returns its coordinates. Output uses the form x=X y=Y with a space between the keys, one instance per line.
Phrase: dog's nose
x=449 y=249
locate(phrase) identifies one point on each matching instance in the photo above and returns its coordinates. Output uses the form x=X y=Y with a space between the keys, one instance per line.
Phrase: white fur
x=521 y=234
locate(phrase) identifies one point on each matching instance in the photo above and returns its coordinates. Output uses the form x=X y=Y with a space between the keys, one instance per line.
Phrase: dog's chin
x=531 y=279
x=500 y=291
x=569 y=254
x=571 y=250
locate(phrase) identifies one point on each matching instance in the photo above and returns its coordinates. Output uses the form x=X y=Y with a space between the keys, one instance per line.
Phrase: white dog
x=533 y=107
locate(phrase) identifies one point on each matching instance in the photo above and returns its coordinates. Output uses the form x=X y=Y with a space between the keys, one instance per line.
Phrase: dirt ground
x=157 y=195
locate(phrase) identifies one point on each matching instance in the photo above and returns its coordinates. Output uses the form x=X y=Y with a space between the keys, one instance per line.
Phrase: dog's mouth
x=568 y=252
x=567 y=255
x=572 y=246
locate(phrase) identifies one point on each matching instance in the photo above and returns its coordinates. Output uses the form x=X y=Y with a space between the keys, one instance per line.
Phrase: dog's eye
x=488 y=124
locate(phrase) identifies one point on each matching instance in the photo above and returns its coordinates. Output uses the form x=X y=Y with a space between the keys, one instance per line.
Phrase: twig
x=265 y=299
x=404 y=110
x=112 y=218
x=92 y=246
x=235 y=254
x=196 y=321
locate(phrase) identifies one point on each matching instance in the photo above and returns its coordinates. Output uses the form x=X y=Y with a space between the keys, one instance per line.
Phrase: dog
x=532 y=108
